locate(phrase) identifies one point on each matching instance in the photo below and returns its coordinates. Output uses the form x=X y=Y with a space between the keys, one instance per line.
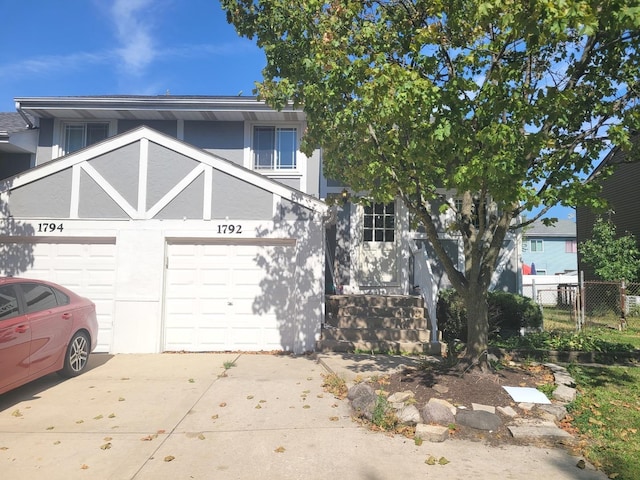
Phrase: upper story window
x=83 y=134
x=537 y=246
x=571 y=246
x=379 y=222
x=274 y=148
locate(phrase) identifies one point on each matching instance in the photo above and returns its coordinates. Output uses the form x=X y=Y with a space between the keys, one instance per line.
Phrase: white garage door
x=228 y=297
x=85 y=266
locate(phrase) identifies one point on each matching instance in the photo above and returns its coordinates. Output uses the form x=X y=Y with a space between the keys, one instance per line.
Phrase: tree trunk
x=477 y=328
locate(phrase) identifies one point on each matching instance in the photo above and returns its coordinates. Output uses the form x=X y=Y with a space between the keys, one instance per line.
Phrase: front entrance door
x=379 y=251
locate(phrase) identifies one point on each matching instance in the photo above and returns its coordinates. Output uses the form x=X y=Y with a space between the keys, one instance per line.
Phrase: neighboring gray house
x=550 y=250
x=196 y=223
x=622 y=192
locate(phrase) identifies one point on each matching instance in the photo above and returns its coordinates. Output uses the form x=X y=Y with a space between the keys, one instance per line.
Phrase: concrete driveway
x=179 y=416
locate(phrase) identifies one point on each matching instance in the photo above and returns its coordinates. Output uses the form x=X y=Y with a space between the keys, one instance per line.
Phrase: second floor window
x=274 y=148
x=537 y=246
x=80 y=135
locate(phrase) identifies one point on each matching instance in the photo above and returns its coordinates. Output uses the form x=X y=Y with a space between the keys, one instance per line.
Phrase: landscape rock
x=432 y=433
x=400 y=397
x=484 y=408
x=408 y=415
x=564 y=394
x=479 y=420
x=363 y=399
x=439 y=412
x=556 y=411
x=562 y=378
x=536 y=429
x=508 y=411
x=440 y=388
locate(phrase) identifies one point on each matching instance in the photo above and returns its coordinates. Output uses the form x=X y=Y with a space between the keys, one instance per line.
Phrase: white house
x=196 y=223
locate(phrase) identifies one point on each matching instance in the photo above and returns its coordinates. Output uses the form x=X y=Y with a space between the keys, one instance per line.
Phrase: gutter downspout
x=25 y=117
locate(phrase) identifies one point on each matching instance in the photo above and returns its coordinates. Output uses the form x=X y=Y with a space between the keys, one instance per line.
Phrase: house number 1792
x=50 y=227
x=224 y=229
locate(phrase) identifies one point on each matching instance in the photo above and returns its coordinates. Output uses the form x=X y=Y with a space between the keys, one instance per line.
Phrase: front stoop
x=376 y=323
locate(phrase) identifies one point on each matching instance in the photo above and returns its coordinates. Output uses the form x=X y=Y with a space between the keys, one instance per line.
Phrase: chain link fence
x=596 y=304
x=609 y=304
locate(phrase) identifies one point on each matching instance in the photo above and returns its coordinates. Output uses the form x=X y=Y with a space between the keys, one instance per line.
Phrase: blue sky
x=130 y=47
x=145 y=47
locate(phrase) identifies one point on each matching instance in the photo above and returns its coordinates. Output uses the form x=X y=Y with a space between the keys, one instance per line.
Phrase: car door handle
x=22 y=328
x=67 y=315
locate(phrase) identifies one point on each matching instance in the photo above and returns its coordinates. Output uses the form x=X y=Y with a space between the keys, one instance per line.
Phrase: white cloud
x=131 y=19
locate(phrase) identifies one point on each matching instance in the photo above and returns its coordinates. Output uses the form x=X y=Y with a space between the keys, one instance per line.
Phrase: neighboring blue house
x=550 y=250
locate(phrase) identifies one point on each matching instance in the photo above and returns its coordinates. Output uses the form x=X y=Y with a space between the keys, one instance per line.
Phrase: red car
x=44 y=328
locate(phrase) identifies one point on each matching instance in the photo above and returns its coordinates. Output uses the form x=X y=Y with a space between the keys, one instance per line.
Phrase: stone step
x=355 y=311
x=336 y=301
x=376 y=334
x=366 y=321
x=377 y=347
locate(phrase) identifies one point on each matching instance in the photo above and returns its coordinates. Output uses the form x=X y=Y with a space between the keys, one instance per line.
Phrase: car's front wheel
x=75 y=360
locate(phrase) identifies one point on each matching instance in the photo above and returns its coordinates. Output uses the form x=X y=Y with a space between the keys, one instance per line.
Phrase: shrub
x=508 y=314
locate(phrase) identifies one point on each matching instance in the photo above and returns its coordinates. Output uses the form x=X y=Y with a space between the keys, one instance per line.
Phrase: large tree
x=503 y=104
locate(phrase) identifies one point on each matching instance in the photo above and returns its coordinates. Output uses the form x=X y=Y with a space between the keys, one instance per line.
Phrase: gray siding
x=49 y=197
x=165 y=169
x=45 y=141
x=225 y=139
x=313 y=174
x=94 y=201
x=236 y=199
x=188 y=203
x=121 y=169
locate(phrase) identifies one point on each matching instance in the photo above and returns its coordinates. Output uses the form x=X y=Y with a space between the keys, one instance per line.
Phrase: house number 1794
x=225 y=229
x=50 y=227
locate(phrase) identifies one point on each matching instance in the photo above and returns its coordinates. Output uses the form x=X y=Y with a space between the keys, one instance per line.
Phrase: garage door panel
x=230 y=308
x=86 y=268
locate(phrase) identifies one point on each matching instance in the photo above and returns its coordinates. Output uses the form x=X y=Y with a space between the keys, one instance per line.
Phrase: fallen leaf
x=334 y=419
x=169 y=458
x=50 y=428
x=106 y=446
x=191 y=380
x=249 y=397
x=4 y=448
x=161 y=431
x=279 y=450
x=84 y=466
x=57 y=442
x=16 y=413
x=107 y=439
x=201 y=436
x=97 y=417
x=214 y=417
x=223 y=404
x=148 y=438
x=79 y=421
x=443 y=461
x=306 y=406
x=431 y=460
x=121 y=399
x=112 y=415
x=258 y=406
x=125 y=378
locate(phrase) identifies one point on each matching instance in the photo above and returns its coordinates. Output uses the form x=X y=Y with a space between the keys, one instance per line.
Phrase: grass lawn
x=605 y=327
x=607 y=414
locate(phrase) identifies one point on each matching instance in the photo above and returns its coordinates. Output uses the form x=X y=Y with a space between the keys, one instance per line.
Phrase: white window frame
x=59 y=148
x=249 y=149
x=536 y=242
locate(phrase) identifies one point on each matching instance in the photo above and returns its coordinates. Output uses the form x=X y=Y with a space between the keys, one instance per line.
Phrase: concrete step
x=376 y=334
x=366 y=321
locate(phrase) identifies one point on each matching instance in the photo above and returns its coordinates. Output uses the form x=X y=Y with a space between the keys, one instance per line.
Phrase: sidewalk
x=176 y=416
